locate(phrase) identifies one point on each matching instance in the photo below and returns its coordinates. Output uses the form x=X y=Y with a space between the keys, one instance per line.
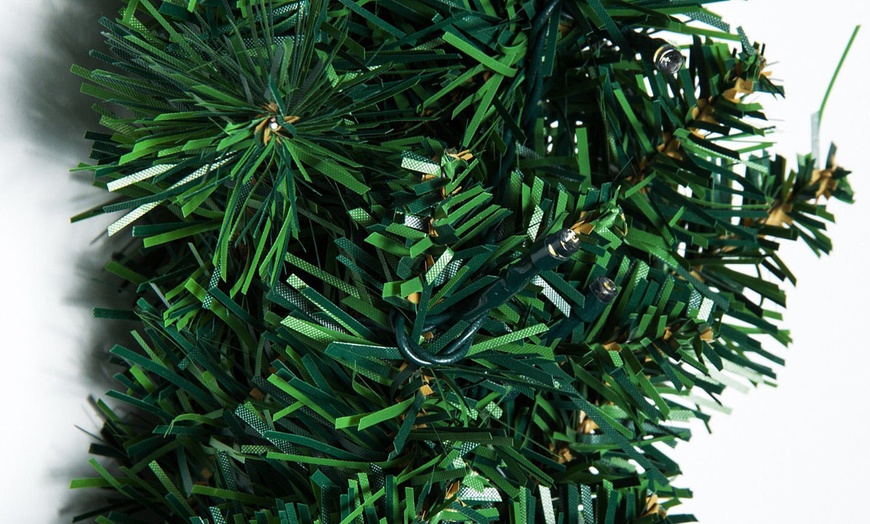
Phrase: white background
x=797 y=453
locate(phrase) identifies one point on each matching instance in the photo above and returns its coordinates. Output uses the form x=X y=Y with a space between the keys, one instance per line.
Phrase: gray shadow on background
x=57 y=112
x=57 y=117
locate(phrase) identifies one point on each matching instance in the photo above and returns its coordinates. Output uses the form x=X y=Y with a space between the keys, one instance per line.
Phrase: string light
x=658 y=51
x=554 y=250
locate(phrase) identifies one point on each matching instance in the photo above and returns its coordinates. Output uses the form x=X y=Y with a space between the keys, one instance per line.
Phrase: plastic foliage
x=320 y=193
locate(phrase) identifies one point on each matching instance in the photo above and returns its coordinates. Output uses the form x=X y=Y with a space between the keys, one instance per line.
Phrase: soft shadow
x=57 y=112
x=57 y=116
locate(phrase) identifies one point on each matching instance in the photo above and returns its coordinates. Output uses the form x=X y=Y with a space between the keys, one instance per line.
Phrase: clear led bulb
x=668 y=59
x=604 y=289
x=562 y=245
x=570 y=239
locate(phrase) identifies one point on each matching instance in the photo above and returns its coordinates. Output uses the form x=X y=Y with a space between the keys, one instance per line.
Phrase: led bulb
x=604 y=289
x=570 y=240
x=562 y=245
x=668 y=59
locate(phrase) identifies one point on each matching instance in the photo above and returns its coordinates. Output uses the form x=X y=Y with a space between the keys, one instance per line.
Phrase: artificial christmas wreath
x=404 y=261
